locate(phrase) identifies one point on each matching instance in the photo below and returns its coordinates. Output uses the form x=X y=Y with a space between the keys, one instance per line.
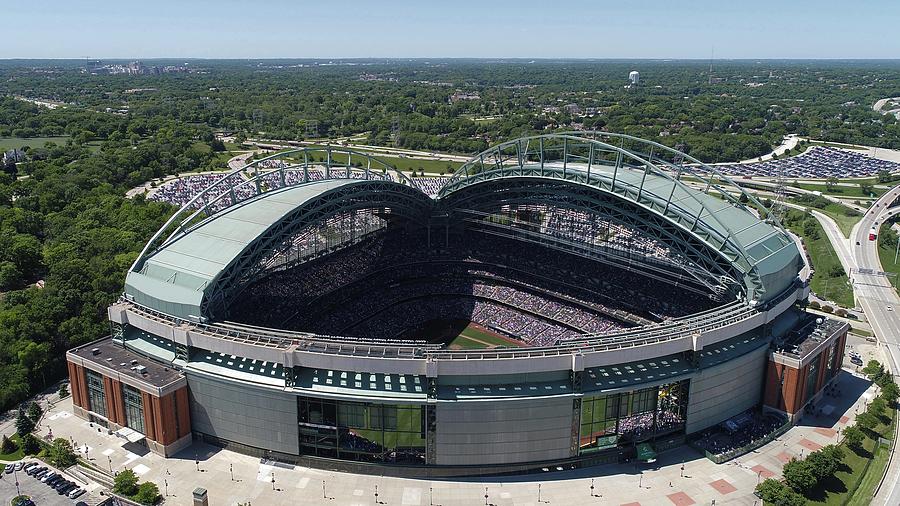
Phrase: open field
x=840 y=191
x=402 y=163
x=7 y=143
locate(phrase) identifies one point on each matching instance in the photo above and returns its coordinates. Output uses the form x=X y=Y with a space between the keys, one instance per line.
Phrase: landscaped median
x=846 y=473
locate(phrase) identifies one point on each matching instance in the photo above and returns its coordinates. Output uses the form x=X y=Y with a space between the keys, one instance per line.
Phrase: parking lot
x=40 y=493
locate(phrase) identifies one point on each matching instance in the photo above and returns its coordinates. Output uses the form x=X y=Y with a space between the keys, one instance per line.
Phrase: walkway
x=701 y=481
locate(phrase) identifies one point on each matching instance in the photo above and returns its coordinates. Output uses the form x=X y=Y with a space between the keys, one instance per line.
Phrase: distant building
x=463 y=95
x=634 y=77
x=13 y=156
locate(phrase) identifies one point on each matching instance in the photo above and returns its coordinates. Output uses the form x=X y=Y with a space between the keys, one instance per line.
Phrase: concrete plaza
x=233 y=478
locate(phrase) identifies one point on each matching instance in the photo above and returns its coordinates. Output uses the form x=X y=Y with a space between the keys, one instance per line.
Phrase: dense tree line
x=747 y=108
x=64 y=220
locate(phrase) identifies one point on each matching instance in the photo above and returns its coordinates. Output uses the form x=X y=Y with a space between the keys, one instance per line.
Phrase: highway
x=878 y=299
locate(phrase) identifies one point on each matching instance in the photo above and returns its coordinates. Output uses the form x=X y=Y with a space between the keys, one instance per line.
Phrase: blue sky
x=461 y=28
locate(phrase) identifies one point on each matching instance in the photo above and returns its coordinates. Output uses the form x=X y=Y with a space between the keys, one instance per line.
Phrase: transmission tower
x=312 y=128
x=776 y=210
x=395 y=131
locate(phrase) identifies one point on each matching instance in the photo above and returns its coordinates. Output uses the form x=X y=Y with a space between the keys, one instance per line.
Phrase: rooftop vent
x=141 y=369
x=134 y=362
x=95 y=351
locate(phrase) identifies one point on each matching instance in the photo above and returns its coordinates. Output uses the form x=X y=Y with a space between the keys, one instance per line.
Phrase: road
x=880 y=301
x=788 y=142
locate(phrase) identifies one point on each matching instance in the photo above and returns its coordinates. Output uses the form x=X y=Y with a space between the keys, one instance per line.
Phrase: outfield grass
x=472 y=338
x=7 y=143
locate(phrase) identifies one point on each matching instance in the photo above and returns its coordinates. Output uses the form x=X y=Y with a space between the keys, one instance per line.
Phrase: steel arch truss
x=401 y=200
x=619 y=172
x=714 y=268
x=257 y=178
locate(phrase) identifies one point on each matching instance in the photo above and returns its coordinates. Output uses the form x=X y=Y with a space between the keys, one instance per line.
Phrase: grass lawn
x=16 y=455
x=839 y=191
x=860 y=472
x=7 y=143
x=863 y=495
x=844 y=221
x=836 y=288
x=886 y=255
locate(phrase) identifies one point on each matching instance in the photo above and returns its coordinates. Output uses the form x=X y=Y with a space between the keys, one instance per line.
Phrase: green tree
x=799 y=476
x=35 y=411
x=30 y=444
x=777 y=493
x=854 y=437
x=831 y=183
x=890 y=392
x=7 y=445
x=874 y=370
x=877 y=407
x=126 y=483
x=63 y=390
x=60 y=453
x=825 y=462
x=866 y=420
x=24 y=425
x=147 y=493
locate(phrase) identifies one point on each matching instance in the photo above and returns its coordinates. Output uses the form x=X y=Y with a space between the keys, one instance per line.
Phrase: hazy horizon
x=351 y=29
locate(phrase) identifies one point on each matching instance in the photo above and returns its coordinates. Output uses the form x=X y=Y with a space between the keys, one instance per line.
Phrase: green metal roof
x=173 y=279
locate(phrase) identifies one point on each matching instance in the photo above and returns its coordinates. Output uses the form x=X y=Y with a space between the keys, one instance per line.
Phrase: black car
x=55 y=480
x=66 y=489
x=60 y=484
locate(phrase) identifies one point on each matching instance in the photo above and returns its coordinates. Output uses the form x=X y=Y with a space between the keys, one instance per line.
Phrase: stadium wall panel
x=503 y=432
x=243 y=413
x=720 y=392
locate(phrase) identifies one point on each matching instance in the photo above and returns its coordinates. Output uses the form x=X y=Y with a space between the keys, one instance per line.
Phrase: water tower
x=634 y=76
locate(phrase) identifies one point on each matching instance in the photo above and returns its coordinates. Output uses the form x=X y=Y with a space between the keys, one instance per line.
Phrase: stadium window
x=351 y=414
x=96 y=393
x=134 y=408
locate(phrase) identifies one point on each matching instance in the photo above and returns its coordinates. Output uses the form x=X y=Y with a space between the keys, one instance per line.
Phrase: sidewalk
x=660 y=483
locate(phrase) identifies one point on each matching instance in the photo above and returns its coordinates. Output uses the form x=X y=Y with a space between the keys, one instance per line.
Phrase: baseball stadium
x=559 y=301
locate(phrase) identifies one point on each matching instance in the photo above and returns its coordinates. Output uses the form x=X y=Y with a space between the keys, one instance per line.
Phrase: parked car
x=75 y=494
x=19 y=466
x=65 y=489
x=47 y=477
x=856 y=361
x=9 y=468
x=29 y=466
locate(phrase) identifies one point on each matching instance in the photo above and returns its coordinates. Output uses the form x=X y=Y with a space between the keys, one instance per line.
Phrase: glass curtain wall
x=362 y=431
x=638 y=415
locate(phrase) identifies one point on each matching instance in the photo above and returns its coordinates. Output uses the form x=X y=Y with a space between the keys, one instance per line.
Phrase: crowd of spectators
x=817 y=162
x=727 y=437
x=390 y=282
